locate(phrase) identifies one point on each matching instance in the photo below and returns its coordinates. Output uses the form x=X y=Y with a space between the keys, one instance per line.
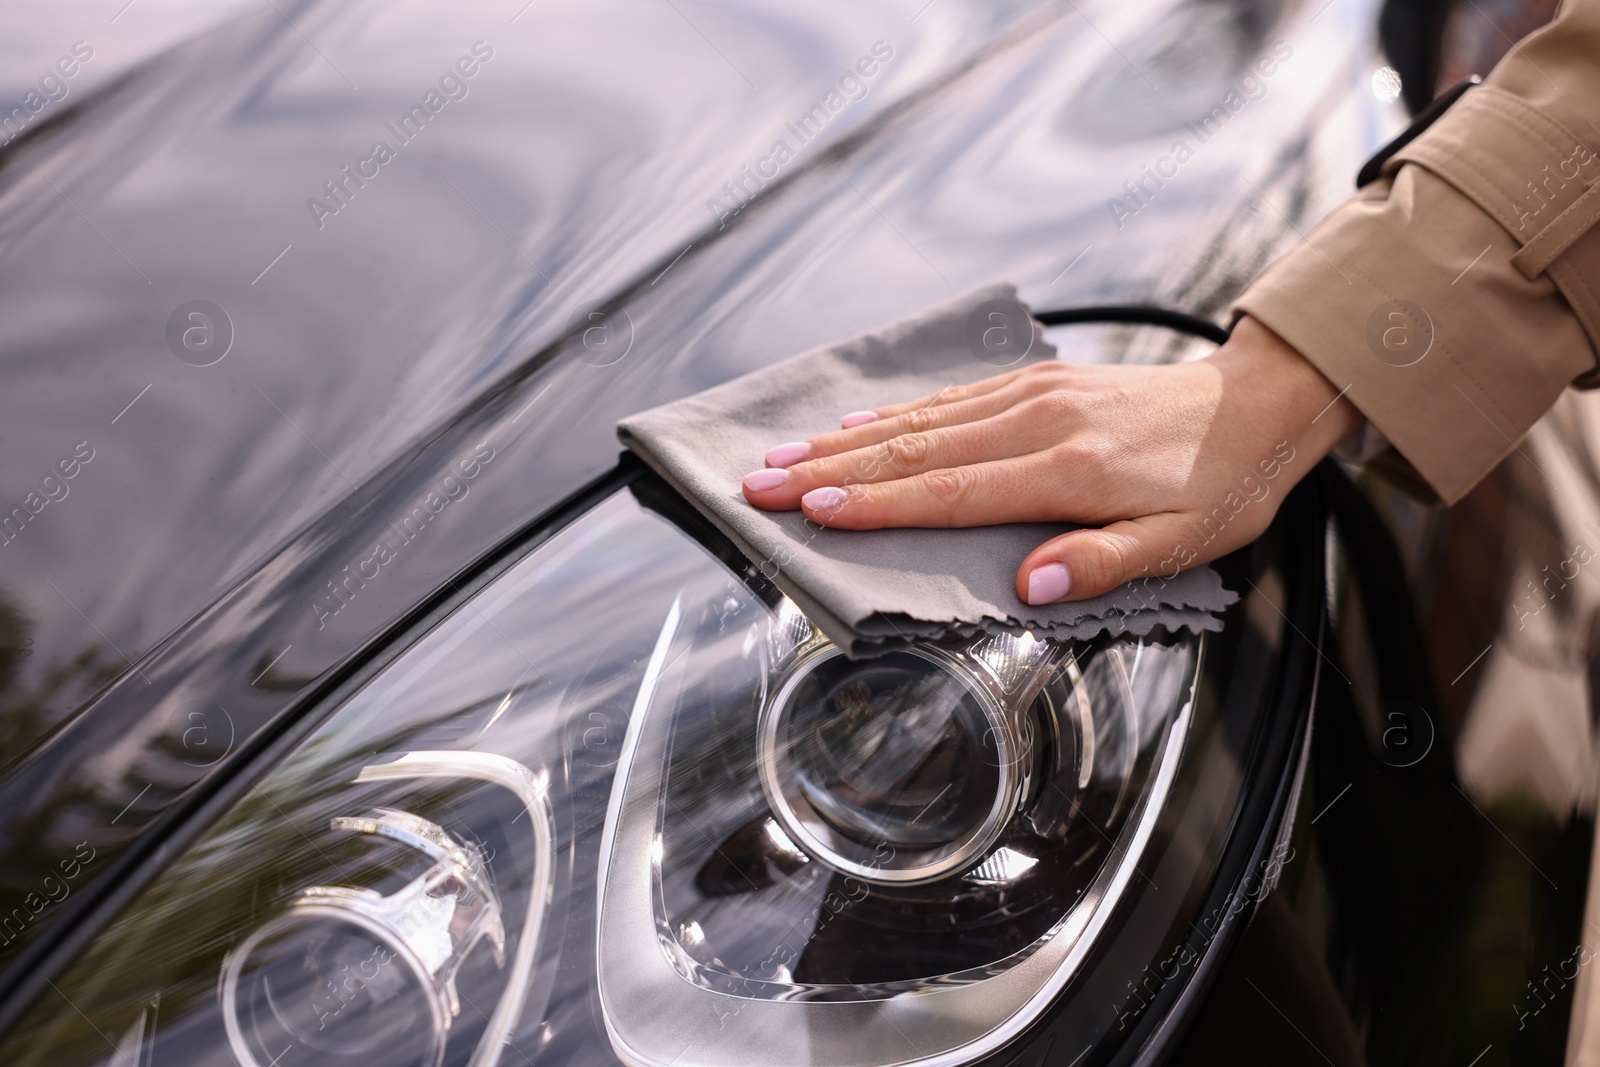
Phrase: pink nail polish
x=857 y=418
x=790 y=454
x=762 y=480
x=1049 y=583
x=828 y=498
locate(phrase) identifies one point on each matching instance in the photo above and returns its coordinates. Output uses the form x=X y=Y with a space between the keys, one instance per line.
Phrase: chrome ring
x=438 y=1009
x=821 y=841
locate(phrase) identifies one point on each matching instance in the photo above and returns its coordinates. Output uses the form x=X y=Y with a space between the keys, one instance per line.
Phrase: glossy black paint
x=1419 y=925
x=272 y=471
x=235 y=594
x=169 y=621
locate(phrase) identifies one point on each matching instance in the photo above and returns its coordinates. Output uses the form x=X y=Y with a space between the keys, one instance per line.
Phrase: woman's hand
x=1176 y=465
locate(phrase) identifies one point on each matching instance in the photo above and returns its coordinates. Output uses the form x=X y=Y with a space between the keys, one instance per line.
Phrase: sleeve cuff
x=1405 y=297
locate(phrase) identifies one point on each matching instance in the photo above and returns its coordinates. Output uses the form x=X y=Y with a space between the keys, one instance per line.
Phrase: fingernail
x=761 y=481
x=1049 y=583
x=825 y=499
x=790 y=454
x=857 y=418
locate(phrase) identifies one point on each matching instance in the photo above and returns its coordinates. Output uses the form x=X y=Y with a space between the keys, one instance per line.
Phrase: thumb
x=1086 y=563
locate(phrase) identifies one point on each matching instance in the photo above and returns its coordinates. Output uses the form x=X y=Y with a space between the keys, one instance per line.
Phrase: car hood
x=214 y=519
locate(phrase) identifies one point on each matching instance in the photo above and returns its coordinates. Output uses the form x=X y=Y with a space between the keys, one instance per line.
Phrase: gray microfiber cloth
x=876 y=589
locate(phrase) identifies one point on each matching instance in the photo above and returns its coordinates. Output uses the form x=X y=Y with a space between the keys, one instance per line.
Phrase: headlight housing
x=628 y=803
x=923 y=842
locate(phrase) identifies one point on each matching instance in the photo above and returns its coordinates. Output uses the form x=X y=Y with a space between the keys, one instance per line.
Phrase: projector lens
x=335 y=991
x=895 y=751
x=898 y=769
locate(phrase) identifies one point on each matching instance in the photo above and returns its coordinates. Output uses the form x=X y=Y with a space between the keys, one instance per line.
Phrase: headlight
x=923 y=842
x=629 y=804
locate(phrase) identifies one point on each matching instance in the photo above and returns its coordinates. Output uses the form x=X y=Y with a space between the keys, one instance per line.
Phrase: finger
x=920 y=407
x=950 y=394
x=982 y=494
x=999 y=437
x=1086 y=563
x=921 y=419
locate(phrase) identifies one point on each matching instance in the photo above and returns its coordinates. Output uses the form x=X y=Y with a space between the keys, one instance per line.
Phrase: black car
x=360 y=701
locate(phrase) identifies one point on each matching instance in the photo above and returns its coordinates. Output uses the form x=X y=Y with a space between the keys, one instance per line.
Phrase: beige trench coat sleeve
x=1457 y=296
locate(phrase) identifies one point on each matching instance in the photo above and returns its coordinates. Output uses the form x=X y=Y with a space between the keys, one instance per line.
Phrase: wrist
x=1313 y=412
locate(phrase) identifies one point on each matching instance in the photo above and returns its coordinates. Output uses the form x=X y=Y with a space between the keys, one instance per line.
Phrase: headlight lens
x=898 y=769
x=343 y=972
x=627 y=804
x=922 y=842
